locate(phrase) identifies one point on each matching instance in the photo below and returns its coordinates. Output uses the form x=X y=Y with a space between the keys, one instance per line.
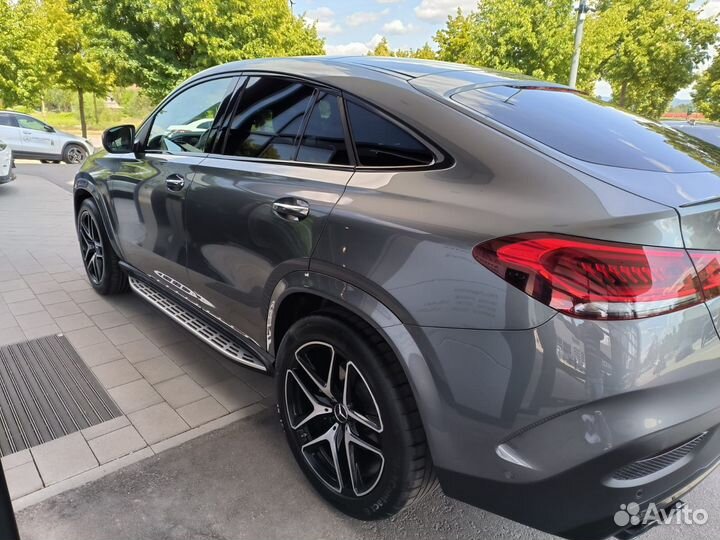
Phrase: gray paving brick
x=23 y=480
x=77 y=285
x=117 y=444
x=136 y=351
x=51 y=298
x=34 y=320
x=73 y=322
x=84 y=295
x=100 y=353
x=259 y=382
x=42 y=331
x=45 y=287
x=109 y=320
x=63 y=309
x=62 y=458
x=85 y=337
x=62 y=277
x=158 y=422
x=233 y=394
x=12 y=285
x=25 y=307
x=158 y=369
x=116 y=373
x=206 y=372
x=18 y=296
x=135 y=396
x=126 y=333
x=180 y=391
x=12 y=334
x=166 y=335
x=93 y=432
x=202 y=411
x=16 y=459
x=95 y=307
x=38 y=278
x=185 y=352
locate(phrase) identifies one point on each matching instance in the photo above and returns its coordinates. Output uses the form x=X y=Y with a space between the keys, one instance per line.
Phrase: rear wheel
x=74 y=153
x=101 y=263
x=350 y=417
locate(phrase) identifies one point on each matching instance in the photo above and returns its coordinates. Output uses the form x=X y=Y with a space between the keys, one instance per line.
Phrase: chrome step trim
x=226 y=346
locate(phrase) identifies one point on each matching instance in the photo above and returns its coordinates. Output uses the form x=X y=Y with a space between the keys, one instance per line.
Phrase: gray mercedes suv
x=456 y=276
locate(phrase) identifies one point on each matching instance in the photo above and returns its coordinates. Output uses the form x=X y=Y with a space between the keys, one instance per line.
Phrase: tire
x=74 y=154
x=103 y=270
x=383 y=485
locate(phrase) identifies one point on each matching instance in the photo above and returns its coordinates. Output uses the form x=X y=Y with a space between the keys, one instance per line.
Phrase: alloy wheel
x=91 y=246
x=335 y=419
x=75 y=155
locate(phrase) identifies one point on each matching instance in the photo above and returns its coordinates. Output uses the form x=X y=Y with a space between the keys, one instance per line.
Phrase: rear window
x=591 y=130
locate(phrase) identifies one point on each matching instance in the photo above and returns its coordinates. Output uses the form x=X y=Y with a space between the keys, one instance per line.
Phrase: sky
x=356 y=26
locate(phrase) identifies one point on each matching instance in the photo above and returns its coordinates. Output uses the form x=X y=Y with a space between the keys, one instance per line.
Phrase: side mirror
x=119 y=139
x=50 y=129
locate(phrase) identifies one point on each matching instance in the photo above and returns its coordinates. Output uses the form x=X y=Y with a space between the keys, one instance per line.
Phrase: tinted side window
x=7 y=120
x=182 y=125
x=324 y=138
x=268 y=119
x=27 y=122
x=381 y=143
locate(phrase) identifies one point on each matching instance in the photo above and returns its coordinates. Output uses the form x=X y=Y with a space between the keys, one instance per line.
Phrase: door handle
x=175 y=182
x=292 y=209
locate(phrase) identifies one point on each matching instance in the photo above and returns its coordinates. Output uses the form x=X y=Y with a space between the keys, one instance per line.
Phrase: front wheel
x=350 y=417
x=101 y=263
x=74 y=154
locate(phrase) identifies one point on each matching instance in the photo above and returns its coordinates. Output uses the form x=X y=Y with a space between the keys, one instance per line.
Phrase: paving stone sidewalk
x=169 y=386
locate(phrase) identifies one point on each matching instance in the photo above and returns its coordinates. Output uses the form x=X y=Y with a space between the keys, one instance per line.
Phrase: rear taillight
x=594 y=279
x=707 y=265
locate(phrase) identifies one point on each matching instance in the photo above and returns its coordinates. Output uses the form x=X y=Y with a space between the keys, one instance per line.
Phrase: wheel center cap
x=341 y=413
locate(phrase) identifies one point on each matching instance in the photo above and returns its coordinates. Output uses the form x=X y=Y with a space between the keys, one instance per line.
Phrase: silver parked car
x=6 y=163
x=30 y=138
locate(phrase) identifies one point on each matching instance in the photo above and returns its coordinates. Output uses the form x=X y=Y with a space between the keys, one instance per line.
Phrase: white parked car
x=6 y=163
x=197 y=127
x=30 y=138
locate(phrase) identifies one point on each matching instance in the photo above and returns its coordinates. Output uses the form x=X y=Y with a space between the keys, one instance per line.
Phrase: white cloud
x=438 y=10
x=711 y=9
x=364 y=17
x=397 y=27
x=355 y=48
x=324 y=20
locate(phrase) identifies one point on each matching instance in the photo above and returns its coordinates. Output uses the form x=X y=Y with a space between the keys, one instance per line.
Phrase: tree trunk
x=623 y=94
x=97 y=121
x=83 y=123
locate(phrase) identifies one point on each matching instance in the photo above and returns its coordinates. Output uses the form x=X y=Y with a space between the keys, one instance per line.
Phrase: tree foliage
x=645 y=49
x=383 y=49
x=706 y=95
x=158 y=43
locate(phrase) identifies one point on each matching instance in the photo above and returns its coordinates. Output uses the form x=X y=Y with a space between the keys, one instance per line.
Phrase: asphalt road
x=242 y=483
x=59 y=174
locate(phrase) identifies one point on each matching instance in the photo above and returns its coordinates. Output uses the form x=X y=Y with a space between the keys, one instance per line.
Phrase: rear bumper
x=580 y=503
x=8 y=177
x=533 y=424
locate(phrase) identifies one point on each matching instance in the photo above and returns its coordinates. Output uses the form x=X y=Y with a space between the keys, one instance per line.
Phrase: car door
x=258 y=205
x=9 y=131
x=147 y=189
x=36 y=137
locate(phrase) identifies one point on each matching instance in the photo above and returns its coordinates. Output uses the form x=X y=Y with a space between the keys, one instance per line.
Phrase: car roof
x=442 y=77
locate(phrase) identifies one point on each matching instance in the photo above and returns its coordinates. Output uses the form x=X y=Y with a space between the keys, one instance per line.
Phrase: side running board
x=225 y=345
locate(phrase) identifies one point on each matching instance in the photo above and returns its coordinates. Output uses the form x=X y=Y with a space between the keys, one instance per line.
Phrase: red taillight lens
x=594 y=279
x=707 y=265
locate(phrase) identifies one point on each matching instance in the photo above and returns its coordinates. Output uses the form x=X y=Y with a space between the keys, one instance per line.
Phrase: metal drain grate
x=47 y=391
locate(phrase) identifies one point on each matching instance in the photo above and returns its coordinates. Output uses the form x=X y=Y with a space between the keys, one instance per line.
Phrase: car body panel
x=6 y=163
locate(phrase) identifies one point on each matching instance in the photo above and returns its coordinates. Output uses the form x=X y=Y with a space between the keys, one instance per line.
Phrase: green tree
x=706 y=95
x=425 y=52
x=27 y=52
x=660 y=44
x=158 y=43
x=381 y=49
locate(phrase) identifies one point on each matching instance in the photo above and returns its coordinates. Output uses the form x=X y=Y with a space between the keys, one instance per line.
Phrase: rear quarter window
x=591 y=130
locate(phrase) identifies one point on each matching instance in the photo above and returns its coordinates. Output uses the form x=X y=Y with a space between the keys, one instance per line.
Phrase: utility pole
x=582 y=10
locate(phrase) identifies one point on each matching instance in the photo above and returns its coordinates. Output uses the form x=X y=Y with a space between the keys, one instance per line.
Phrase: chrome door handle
x=175 y=182
x=294 y=209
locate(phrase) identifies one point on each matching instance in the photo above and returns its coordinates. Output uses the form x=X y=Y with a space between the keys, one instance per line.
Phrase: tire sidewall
x=88 y=205
x=66 y=153
x=390 y=494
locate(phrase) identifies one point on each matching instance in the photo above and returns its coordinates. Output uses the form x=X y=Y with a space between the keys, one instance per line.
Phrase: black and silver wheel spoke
x=335 y=418
x=91 y=247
